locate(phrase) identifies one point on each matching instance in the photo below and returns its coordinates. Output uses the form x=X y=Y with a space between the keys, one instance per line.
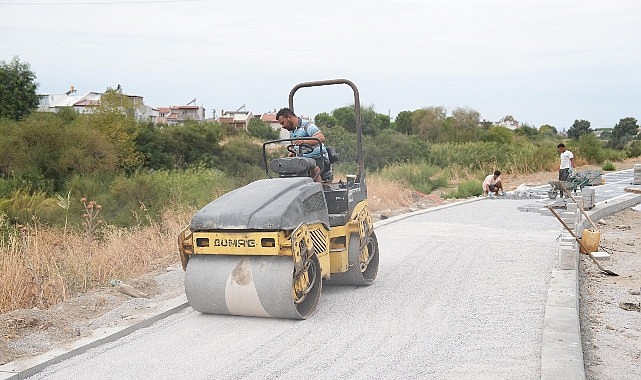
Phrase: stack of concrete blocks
x=637 y=174
x=589 y=198
x=568 y=246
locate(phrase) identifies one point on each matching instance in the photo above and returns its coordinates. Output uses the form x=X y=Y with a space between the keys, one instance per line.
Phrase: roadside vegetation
x=85 y=199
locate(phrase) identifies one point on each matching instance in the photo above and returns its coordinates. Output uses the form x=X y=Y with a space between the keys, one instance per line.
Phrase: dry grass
x=41 y=266
x=387 y=195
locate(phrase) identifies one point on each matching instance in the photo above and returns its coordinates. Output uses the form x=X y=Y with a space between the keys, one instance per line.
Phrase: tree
x=634 y=149
x=180 y=146
x=499 y=134
x=463 y=125
x=115 y=117
x=344 y=117
x=324 y=120
x=509 y=121
x=44 y=149
x=623 y=132
x=590 y=148
x=578 y=128
x=527 y=131
x=428 y=123
x=403 y=122
x=17 y=89
x=261 y=130
x=547 y=130
x=372 y=122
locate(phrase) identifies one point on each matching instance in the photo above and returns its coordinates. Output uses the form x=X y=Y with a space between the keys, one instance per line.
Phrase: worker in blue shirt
x=299 y=129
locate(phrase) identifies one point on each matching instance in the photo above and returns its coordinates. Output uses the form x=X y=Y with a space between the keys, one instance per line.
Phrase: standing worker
x=567 y=162
x=300 y=130
x=493 y=184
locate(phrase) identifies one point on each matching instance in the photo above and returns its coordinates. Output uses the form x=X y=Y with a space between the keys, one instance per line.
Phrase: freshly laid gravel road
x=460 y=293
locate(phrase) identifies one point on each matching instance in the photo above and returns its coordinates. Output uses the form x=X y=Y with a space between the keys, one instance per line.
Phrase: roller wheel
x=363 y=266
x=552 y=194
x=259 y=286
x=307 y=303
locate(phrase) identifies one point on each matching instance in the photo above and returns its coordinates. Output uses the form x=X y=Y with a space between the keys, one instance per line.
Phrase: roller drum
x=259 y=286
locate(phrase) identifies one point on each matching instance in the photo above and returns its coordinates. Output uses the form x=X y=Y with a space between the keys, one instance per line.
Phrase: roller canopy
x=268 y=204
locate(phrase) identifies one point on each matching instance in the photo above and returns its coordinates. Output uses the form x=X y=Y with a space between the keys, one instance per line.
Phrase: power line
x=113 y=2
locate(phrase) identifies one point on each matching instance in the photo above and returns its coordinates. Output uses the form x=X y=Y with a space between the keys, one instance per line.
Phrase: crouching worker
x=492 y=184
x=299 y=129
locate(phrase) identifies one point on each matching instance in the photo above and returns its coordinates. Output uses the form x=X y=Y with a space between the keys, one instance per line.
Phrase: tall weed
x=465 y=189
x=420 y=176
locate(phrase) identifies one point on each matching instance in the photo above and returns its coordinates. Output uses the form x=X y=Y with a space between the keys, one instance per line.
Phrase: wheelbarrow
x=575 y=182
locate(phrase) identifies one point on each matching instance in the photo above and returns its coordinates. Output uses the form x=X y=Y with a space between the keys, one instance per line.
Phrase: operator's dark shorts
x=493 y=187
x=564 y=174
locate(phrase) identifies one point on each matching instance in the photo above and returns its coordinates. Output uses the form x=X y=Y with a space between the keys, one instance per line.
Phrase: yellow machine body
x=266 y=249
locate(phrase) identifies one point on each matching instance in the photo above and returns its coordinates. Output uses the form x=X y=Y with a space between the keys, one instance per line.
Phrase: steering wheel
x=300 y=150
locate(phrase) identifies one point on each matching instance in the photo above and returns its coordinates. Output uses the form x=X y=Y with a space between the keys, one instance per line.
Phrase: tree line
x=109 y=153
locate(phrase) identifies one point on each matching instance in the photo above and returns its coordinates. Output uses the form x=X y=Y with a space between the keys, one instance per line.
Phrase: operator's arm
x=318 y=135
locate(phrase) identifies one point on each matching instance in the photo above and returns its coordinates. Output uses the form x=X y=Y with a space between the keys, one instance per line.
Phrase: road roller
x=267 y=248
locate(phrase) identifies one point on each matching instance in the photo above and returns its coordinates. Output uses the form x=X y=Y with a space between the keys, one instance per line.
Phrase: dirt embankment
x=610 y=307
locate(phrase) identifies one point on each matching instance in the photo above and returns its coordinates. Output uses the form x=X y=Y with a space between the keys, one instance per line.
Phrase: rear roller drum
x=363 y=264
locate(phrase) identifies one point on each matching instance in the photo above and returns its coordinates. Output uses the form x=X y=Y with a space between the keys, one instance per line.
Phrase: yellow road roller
x=267 y=248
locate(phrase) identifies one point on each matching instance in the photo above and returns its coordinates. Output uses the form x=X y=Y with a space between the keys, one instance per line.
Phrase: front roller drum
x=259 y=286
x=363 y=263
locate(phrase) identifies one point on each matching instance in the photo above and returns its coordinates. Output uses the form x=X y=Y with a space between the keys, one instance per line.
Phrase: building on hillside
x=179 y=114
x=509 y=124
x=87 y=103
x=238 y=119
x=599 y=131
x=269 y=118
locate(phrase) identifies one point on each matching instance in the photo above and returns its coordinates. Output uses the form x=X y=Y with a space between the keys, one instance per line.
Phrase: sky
x=542 y=62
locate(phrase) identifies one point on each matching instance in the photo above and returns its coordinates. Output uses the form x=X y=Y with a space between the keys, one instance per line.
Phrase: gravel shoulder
x=29 y=332
x=609 y=306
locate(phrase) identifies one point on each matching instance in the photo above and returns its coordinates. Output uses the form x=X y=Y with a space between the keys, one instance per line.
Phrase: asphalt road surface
x=460 y=294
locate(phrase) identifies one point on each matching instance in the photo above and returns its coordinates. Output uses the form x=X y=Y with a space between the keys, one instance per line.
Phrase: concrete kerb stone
x=611 y=206
x=562 y=350
x=396 y=218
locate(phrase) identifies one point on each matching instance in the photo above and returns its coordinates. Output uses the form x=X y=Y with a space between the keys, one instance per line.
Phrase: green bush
x=521 y=158
x=390 y=147
x=128 y=200
x=242 y=157
x=420 y=176
x=590 y=148
x=608 y=166
x=466 y=189
x=614 y=154
x=23 y=207
x=634 y=149
x=259 y=129
x=498 y=134
x=343 y=141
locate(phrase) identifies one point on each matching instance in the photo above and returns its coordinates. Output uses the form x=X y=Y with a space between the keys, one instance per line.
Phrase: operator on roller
x=299 y=129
